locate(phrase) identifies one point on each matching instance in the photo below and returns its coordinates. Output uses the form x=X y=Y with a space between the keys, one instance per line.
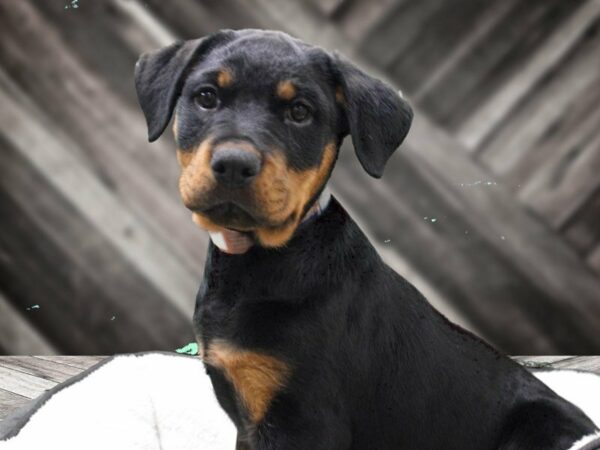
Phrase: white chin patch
x=218 y=239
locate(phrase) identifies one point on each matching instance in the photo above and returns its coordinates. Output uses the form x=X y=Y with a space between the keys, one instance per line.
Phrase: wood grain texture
x=446 y=28
x=47 y=370
x=582 y=229
x=519 y=135
x=358 y=18
x=21 y=383
x=79 y=362
x=550 y=52
x=9 y=401
x=103 y=233
x=499 y=56
x=579 y=363
x=400 y=27
x=96 y=260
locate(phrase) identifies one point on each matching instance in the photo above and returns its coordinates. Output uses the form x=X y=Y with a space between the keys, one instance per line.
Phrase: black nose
x=234 y=167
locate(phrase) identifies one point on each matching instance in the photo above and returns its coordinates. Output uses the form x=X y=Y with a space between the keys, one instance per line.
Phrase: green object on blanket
x=190 y=349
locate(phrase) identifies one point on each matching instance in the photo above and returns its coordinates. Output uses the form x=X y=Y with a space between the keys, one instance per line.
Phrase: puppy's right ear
x=160 y=76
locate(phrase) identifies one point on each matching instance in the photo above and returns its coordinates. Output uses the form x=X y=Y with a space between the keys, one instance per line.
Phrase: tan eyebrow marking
x=224 y=78
x=286 y=90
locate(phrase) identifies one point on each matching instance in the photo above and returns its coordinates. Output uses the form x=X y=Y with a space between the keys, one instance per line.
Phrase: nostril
x=248 y=172
x=219 y=167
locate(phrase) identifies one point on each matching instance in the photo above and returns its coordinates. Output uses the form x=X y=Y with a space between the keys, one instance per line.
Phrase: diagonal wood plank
x=591 y=364
x=482 y=122
x=358 y=18
x=77 y=183
x=108 y=140
x=518 y=135
x=484 y=26
x=438 y=36
x=550 y=181
x=45 y=369
x=594 y=258
x=23 y=384
x=494 y=59
x=396 y=30
x=582 y=230
x=79 y=362
x=91 y=270
x=545 y=360
x=9 y=401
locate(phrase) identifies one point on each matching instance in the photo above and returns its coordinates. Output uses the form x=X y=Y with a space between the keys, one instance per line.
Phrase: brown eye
x=207 y=98
x=299 y=112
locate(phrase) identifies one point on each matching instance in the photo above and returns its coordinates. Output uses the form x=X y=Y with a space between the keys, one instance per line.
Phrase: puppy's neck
x=325 y=252
x=236 y=243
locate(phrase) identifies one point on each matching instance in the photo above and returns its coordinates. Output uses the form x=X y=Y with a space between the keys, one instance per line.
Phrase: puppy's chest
x=255 y=375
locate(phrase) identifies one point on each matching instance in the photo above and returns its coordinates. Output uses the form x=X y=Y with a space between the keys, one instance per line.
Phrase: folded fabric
x=148 y=401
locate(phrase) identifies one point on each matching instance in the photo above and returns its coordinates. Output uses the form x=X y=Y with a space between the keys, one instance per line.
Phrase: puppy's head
x=259 y=117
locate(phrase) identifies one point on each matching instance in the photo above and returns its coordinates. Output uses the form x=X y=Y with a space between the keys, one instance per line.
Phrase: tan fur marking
x=339 y=95
x=224 y=78
x=196 y=174
x=184 y=157
x=281 y=193
x=286 y=90
x=289 y=201
x=256 y=377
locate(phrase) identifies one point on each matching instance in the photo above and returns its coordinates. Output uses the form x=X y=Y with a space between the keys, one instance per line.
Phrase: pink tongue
x=230 y=241
x=236 y=243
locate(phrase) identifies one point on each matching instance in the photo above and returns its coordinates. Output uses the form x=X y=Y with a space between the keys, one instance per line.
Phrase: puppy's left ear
x=378 y=117
x=160 y=75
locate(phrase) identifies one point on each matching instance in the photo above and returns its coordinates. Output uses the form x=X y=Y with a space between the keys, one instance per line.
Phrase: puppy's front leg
x=326 y=435
x=241 y=444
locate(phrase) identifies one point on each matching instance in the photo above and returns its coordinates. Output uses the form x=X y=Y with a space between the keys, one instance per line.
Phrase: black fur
x=160 y=75
x=377 y=117
x=374 y=366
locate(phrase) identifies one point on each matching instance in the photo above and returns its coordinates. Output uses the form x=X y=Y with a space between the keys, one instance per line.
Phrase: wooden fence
x=492 y=208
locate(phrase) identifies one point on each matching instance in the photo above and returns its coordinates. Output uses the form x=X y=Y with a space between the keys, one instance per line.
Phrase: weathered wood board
x=492 y=207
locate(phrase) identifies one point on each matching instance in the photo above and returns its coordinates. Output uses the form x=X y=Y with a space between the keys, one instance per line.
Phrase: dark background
x=492 y=208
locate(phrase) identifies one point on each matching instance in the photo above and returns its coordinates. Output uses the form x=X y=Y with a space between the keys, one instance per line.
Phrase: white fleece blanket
x=148 y=402
x=159 y=401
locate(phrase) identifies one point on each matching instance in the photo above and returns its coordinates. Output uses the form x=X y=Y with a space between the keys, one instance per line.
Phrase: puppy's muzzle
x=234 y=166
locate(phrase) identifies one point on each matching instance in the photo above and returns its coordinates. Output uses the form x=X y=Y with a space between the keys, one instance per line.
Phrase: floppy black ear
x=378 y=117
x=160 y=75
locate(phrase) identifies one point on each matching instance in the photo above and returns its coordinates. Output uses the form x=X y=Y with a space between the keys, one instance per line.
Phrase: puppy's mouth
x=230 y=215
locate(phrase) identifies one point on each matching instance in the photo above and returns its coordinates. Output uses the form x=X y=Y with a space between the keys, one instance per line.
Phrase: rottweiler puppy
x=311 y=341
